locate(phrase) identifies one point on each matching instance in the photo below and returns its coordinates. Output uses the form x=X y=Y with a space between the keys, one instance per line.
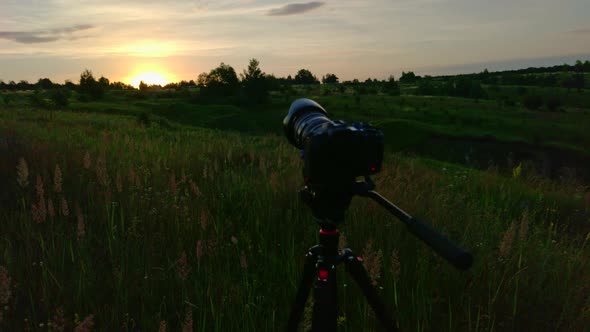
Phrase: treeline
x=253 y=86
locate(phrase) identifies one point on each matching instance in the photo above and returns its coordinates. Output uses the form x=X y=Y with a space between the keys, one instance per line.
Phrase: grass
x=203 y=228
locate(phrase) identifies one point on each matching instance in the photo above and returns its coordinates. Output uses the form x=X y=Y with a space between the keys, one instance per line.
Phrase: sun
x=149 y=78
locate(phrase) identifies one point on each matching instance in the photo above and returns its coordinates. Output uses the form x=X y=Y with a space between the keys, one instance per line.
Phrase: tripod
x=328 y=204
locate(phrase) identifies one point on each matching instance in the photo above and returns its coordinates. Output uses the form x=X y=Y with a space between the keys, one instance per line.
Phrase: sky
x=121 y=39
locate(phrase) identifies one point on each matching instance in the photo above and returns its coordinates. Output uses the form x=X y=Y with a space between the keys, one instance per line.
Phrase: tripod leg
x=356 y=269
x=303 y=290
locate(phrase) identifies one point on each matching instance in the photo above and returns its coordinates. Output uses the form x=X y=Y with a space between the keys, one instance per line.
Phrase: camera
x=332 y=150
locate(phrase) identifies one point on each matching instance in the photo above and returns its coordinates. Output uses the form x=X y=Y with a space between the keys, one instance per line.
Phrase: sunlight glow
x=149 y=78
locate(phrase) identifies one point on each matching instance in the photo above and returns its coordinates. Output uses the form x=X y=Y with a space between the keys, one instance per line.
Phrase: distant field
x=196 y=219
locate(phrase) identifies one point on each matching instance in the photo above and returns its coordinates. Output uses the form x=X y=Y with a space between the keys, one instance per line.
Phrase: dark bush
x=533 y=102
x=60 y=97
x=554 y=103
x=144 y=119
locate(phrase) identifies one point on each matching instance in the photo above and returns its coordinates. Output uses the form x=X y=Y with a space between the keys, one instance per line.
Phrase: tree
x=392 y=87
x=142 y=86
x=408 y=77
x=104 y=82
x=304 y=76
x=44 y=83
x=221 y=81
x=330 y=79
x=255 y=83
x=89 y=87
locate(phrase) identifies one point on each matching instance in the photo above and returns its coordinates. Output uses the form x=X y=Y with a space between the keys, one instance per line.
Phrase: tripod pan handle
x=458 y=257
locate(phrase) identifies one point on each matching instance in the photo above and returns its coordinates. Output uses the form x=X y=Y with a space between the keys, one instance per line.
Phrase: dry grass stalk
x=274 y=182
x=39 y=187
x=182 y=176
x=243 y=260
x=86 y=325
x=373 y=261
x=524 y=226
x=101 y=170
x=204 y=219
x=87 y=162
x=5 y=287
x=507 y=240
x=195 y=189
x=81 y=229
x=58 y=321
x=65 y=210
x=57 y=179
x=395 y=268
x=173 y=184
x=199 y=251
x=22 y=173
x=50 y=208
x=162 y=326
x=182 y=267
x=187 y=325
x=119 y=182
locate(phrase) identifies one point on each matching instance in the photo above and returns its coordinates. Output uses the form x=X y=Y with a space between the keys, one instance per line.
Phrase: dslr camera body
x=333 y=152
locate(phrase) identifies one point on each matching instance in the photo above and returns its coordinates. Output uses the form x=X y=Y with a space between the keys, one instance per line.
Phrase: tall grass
x=107 y=225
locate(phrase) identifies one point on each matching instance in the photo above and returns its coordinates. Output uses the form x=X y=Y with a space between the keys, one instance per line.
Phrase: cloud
x=295 y=8
x=33 y=37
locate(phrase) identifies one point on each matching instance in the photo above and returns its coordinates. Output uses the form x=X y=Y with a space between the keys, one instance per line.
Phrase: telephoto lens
x=305 y=116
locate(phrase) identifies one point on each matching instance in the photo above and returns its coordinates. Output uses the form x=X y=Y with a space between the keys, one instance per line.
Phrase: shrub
x=144 y=119
x=533 y=102
x=554 y=103
x=60 y=97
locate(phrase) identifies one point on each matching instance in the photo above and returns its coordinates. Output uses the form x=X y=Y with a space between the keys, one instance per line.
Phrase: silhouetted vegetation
x=255 y=83
x=304 y=76
x=330 y=79
x=89 y=88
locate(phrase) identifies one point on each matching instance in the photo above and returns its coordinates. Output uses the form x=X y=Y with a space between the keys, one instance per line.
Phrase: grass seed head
x=182 y=267
x=65 y=210
x=58 y=321
x=57 y=179
x=524 y=226
x=119 y=182
x=243 y=260
x=39 y=187
x=507 y=240
x=22 y=173
x=5 y=287
x=87 y=162
x=81 y=229
x=395 y=268
x=50 y=208
x=199 y=250
x=86 y=325
x=162 y=326
x=173 y=184
x=373 y=261
x=187 y=325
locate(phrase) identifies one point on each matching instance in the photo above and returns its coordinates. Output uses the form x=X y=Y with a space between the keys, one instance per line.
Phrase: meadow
x=158 y=212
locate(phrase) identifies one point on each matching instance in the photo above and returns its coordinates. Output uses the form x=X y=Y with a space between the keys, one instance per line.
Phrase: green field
x=194 y=221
